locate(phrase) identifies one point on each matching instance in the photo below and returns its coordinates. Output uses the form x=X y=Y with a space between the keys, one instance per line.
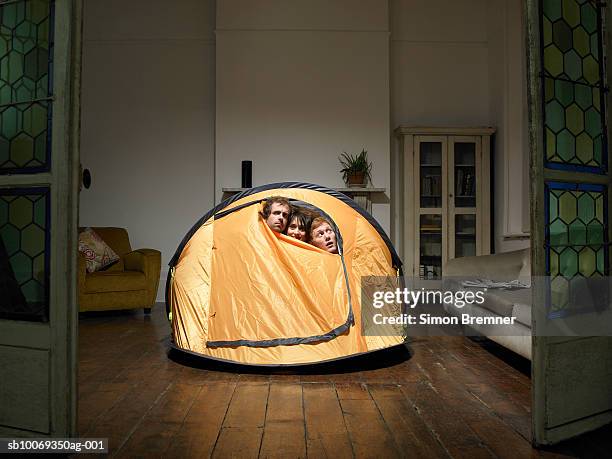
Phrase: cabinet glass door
x=465 y=235
x=464 y=168
x=431 y=174
x=465 y=174
x=431 y=202
x=430 y=262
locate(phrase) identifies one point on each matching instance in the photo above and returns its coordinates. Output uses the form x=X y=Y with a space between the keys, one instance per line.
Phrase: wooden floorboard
x=411 y=434
x=369 y=434
x=326 y=432
x=284 y=431
x=447 y=397
x=201 y=426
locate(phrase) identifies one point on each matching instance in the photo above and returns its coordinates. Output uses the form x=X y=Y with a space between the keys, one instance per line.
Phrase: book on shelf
x=468 y=186
x=459 y=183
x=465 y=183
x=431 y=186
x=429 y=271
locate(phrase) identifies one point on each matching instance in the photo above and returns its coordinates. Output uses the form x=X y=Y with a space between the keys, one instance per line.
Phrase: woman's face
x=296 y=230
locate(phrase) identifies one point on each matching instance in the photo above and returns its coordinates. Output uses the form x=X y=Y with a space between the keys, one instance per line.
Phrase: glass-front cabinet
x=446 y=201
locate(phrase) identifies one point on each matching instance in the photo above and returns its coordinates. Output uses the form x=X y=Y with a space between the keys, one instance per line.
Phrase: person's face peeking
x=296 y=230
x=324 y=238
x=277 y=220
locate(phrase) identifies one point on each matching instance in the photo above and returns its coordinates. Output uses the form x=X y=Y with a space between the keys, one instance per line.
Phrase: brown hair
x=304 y=217
x=275 y=199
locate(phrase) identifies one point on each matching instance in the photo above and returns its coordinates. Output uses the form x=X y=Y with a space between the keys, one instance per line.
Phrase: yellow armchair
x=131 y=283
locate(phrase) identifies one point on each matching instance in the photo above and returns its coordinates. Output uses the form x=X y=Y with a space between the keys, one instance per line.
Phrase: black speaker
x=86 y=178
x=247 y=174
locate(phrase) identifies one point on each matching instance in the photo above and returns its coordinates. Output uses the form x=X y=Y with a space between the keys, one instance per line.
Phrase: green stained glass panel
x=589 y=17
x=547 y=32
x=552 y=9
x=595 y=233
x=559 y=288
x=566 y=145
x=574 y=119
x=576 y=237
x=553 y=60
x=585 y=149
x=582 y=43
x=563 y=91
x=575 y=219
x=24 y=253
x=553 y=206
x=587 y=263
x=554 y=262
x=572 y=65
x=584 y=96
x=24 y=136
x=562 y=36
x=571 y=41
x=573 y=123
x=568 y=262
x=600 y=260
x=586 y=208
x=571 y=12
x=25 y=60
x=549 y=89
x=555 y=116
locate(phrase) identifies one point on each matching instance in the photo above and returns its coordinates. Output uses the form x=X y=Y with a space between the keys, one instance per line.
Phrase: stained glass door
x=570 y=230
x=39 y=87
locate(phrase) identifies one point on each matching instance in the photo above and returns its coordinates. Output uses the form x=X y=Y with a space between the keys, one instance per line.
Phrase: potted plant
x=356 y=169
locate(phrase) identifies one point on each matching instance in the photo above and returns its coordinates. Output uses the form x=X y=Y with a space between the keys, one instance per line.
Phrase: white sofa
x=505 y=266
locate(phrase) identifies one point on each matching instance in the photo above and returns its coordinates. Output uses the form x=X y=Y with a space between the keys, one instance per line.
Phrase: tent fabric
x=240 y=292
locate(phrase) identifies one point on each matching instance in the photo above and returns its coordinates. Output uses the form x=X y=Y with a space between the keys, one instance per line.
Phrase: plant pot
x=356 y=179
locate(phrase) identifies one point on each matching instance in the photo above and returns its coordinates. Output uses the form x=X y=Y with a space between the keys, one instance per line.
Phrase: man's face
x=323 y=237
x=277 y=220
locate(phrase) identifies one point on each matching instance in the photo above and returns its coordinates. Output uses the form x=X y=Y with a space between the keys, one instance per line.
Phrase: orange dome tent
x=239 y=292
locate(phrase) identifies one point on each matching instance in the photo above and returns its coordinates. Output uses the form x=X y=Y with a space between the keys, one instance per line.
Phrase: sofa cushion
x=98 y=254
x=522 y=312
x=508 y=303
x=525 y=273
x=119 y=266
x=505 y=266
x=115 y=281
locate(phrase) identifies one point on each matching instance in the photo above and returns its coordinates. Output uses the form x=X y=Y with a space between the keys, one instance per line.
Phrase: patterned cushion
x=98 y=255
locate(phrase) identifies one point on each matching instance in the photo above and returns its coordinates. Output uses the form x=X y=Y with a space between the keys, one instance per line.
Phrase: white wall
x=147 y=126
x=439 y=67
x=459 y=63
x=298 y=83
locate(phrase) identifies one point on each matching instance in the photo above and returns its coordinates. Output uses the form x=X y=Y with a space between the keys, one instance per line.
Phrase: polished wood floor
x=444 y=397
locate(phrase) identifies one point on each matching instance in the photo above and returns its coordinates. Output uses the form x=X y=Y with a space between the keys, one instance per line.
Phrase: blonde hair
x=318 y=222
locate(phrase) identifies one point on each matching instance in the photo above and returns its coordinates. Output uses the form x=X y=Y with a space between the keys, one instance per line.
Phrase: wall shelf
x=362 y=196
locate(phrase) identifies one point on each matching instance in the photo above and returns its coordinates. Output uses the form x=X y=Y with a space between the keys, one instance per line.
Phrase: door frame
x=542 y=345
x=59 y=335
